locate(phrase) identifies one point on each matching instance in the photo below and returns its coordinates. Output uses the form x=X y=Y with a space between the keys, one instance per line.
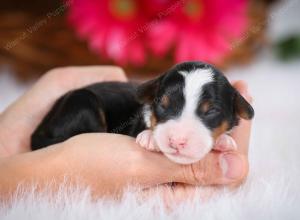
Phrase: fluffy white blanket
x=272 y=190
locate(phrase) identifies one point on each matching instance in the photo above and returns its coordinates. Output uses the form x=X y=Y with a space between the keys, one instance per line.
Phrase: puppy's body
x=102 y=107
x=180 y=113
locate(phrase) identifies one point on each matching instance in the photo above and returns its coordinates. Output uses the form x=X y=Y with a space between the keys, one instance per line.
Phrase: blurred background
x=254 y=40
x=144 y=37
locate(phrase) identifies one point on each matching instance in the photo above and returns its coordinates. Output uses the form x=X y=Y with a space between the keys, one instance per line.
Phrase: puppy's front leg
x=145 y=139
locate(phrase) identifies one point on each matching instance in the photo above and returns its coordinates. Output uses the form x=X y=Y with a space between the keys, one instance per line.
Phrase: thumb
x=215 y=169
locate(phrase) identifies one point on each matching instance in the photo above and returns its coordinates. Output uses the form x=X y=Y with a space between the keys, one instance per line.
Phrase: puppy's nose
x=177 y=143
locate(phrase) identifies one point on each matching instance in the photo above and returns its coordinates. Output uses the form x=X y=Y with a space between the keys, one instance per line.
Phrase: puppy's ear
x=242 y=107
x=146 y=92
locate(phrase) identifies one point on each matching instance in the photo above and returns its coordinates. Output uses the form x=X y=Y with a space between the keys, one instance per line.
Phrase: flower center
x=193 y=9
x=123 y=9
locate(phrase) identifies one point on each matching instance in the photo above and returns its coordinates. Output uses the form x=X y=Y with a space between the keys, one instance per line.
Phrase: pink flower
x=199 y=29
x=110 y=27
x=125 y=30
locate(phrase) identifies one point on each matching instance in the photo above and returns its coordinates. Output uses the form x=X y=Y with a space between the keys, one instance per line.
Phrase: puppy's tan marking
x=165 y=101
x=153 y=121
x=220 y=130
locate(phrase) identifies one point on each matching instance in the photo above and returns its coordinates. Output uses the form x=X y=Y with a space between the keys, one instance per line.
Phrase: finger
x=225 y=143
x=102 y=73
x=172 y=196
x=179 y=193
x=241 y=133
x=215 y=169
x=68 y=78
x=242 y=87
x=176 y=194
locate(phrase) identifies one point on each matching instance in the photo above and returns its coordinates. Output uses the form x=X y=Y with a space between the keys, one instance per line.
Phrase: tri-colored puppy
x=180 y=113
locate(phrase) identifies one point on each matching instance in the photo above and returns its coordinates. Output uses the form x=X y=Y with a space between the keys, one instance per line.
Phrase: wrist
x=13 y=137
x=38 y=168
x=3 y=149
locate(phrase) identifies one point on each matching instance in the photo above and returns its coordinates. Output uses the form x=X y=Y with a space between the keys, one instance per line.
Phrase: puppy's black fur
x=103 y=107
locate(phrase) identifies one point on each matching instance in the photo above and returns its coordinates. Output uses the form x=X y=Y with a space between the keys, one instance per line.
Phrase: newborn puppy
x=180 y=113
x=187 y=108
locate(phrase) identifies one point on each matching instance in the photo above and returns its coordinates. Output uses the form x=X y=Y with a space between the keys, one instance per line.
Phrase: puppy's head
x=188 y=107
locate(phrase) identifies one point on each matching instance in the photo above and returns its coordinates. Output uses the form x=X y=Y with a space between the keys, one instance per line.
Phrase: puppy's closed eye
x=212 y=112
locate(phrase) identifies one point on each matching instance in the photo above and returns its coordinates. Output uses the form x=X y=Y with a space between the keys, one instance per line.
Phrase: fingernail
x=231 y=165
x=225 y=142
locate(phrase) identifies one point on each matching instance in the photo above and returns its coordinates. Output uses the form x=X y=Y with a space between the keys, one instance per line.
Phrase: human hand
x=142 y=168
x=19 y=120
x=119 y=162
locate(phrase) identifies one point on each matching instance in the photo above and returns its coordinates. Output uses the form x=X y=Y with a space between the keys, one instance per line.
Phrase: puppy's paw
x=145 y=139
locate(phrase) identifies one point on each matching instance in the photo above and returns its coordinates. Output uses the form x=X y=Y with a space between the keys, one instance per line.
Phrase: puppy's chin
x=192 y=154
x=182 y=159
x=188 y=157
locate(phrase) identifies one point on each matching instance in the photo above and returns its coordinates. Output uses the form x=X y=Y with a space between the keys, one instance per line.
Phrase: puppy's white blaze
x=194 y=82
x=183 y=73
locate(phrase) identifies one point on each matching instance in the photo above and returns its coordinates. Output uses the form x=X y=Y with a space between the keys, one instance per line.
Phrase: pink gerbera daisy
x=122 y=30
